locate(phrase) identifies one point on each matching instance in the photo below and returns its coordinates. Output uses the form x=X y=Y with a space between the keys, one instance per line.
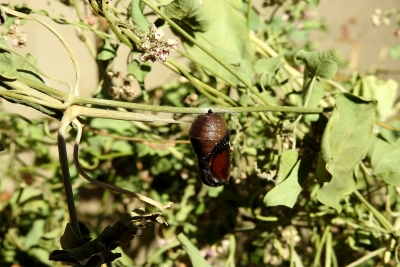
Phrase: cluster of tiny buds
x=18 y=38
x=126 y=91
x=191 y=99
x=380 y=18
x=154 y=48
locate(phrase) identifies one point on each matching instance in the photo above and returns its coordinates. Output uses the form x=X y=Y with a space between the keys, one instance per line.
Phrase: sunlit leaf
x=344 y=144
x=191 y=12
x=194 y=254
x=385 y=161
x=287 y=192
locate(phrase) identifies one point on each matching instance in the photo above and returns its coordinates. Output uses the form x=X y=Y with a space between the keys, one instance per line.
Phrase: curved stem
x=62 y=151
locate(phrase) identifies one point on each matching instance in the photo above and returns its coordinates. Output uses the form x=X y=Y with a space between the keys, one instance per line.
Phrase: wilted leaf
x=344 y=144
x=71 y=239
x=122 y=232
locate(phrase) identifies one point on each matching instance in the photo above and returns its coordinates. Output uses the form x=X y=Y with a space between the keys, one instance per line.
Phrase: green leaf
x=383 y=91
x=191 y=12
x=161 y=166
x=194 y=254
x=395 y=52
x=385 y=161
x=139 y=71
x=214 y=191
x=121 y=146
x=26 y=70
x=137 y=8
x=227 y=38
x=287 y=192
x=320 y=64
x=287 y=162
x=8 y=69
x=107 y=52
x=268 y=65
x=117 y=126
x=344 y=144
x=29 y=193
x=35 y=233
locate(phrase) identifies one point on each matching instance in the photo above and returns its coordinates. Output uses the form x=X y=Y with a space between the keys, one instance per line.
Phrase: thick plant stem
x=62 y=151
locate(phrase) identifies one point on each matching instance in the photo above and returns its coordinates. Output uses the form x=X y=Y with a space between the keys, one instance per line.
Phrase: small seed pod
x=210 y=141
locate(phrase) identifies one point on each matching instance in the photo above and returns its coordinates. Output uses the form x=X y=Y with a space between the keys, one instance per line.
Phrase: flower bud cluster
x=382 y=18
x=18 y=37
x=154 y=48
x=126 y=91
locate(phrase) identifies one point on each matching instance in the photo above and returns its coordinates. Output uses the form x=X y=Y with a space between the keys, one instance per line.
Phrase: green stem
x=204 y=88
x=230 y=261
x=367 y=257
x=381 y=219
x=317 y=259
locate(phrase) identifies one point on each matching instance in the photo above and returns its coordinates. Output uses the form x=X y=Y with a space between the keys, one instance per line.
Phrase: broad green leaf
x=191 y=12
x=194 y=254
x=344 y=144
x=26 y=70
x=137 y=16
x=383 y=91
x=286 y=193
x=8 y=68
x=107 y=52
x=318 y=64
x=227 y=38
x=288 y=161
x=385 y=161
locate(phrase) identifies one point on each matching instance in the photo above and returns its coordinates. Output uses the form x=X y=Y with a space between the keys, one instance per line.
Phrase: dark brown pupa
x=210 y=141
